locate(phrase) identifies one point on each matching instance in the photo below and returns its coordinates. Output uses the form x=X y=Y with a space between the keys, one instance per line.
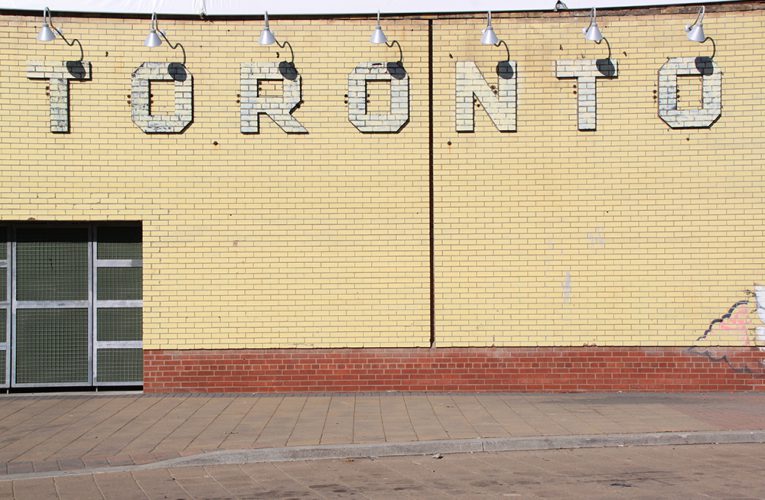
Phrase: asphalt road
x=700 y=471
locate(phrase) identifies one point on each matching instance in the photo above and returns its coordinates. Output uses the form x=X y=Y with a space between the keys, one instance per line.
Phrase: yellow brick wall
x=263 y=240
x=634 y=234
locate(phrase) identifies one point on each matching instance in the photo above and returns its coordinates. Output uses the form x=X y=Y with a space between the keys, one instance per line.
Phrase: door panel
x=52 y=346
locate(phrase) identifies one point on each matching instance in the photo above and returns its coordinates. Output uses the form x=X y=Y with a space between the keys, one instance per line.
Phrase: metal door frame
x=5 y=347
x=91 y=304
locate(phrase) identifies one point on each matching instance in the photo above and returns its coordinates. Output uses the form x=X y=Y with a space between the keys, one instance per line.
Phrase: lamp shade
x=46 y=34
x=378 y=36
x=267 y=37
x=489 y=37
x=152 y=40
x=696 y=33
x=593 y=33
x=696 y=30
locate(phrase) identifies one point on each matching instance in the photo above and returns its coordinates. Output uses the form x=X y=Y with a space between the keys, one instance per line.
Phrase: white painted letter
x=59 y=74
x=711 y=88
x=279 y=109
x=141 y=101
x=586 y=72
x=501 y=108
x=399 y=97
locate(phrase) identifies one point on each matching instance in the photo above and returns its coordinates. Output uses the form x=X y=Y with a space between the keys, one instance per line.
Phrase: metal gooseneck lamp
x=153 y=38
x=695 y=31
x=378 y=37
x=592 y=32
x=267 y=37
x=48 y=33
x=488 y=37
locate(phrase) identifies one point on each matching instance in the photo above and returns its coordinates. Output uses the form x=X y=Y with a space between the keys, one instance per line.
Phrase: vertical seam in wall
x=430 y=189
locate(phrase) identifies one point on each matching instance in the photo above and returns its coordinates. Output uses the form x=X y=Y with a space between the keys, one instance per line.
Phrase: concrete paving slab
x=279 y=428
x=36 y=489
x=87 y=417
x=119 y=486
x=77 y=488
x=252 y=423
x=191 y=426
x=451 y=418
x=310 y=422
x=198 y=482
x=424 y=419
x=159 y=483
x=339 y=426
x=223 y=424
x=367 y=421
x=397 y=425
x=137 y=428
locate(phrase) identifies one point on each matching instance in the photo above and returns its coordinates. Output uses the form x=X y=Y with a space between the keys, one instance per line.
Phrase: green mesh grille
x=52 y=264
x=3 y=358
x=119 y=283
x=119 y=242
x=120 y=365
x=3 y=284
x=51 y=346
x=119 y=323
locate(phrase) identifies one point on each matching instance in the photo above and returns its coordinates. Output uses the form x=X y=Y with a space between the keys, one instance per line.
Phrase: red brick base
x=455 y=369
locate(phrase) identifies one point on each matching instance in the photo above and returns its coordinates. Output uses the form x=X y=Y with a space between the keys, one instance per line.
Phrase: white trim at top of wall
x=324 y=7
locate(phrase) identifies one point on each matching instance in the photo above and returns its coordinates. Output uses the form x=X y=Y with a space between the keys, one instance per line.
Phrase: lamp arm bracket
x=174 y=46
x=400 y=51
x=502 y=42
x=608 y=44
x=286 y=43
x=71 y=44
x=714 y=46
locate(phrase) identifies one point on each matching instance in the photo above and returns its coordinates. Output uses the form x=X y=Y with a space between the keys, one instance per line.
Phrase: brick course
x=453 y=369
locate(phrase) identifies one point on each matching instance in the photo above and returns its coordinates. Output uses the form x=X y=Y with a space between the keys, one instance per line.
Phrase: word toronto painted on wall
x=471 y=85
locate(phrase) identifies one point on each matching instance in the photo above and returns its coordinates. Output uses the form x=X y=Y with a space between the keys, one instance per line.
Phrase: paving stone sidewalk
x=45 y=433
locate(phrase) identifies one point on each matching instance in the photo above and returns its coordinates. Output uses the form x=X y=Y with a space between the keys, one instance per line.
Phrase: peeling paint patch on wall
x=736 y=324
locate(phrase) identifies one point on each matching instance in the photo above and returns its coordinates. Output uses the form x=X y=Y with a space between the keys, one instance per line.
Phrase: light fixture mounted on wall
x=153 y=38
x=592 y=32
x=48 y=33
x=378 y=37
x=267 y=37
x=695 y=31
x=488 y=36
